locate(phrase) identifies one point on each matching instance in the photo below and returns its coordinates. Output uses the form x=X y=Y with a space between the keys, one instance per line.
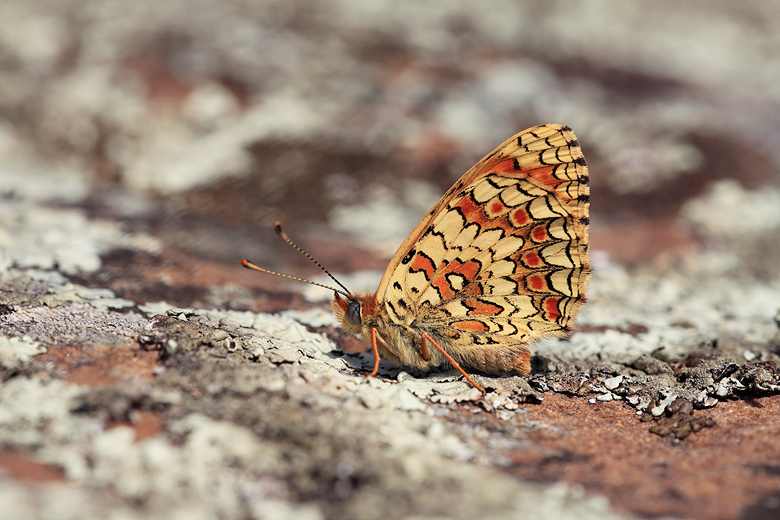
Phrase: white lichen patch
x=39 y=237
x=53 y=289
x=26 y=405
x=729 y=210
x=95 y=296
x=315 y=317
x=14 y=352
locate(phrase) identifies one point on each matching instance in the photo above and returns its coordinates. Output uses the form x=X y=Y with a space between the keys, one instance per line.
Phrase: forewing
x=504 y=254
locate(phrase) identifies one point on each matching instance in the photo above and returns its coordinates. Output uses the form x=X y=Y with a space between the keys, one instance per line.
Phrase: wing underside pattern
x=503 y=257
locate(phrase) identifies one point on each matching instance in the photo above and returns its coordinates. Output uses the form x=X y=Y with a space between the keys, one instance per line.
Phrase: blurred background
x=174 y=134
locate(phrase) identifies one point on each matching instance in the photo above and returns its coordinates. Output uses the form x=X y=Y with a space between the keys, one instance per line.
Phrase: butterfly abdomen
x=498 y=358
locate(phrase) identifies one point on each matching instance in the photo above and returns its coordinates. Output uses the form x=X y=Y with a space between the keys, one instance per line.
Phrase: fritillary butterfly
x=500 y=261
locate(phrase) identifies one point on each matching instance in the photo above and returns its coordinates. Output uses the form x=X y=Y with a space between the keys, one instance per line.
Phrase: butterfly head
x=352 y=310
x=348 y=312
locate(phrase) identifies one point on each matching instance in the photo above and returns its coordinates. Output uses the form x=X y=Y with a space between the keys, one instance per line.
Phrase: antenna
x=278 y=228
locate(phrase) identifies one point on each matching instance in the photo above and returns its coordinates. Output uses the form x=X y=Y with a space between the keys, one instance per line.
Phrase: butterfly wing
x=502 y=258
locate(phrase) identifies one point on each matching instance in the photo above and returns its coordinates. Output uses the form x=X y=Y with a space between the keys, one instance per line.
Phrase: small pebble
x=613 y=382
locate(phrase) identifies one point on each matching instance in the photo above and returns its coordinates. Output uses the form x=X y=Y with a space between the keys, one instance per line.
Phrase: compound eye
x=353 y=313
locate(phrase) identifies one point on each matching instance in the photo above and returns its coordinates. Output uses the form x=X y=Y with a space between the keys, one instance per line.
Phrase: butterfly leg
x=454 y=363
x=376 y=354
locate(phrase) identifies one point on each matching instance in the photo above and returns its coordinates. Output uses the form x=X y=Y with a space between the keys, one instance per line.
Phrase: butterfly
x=499 y=262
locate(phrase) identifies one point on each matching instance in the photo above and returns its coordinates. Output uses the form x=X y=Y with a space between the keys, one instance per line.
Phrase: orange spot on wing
x=536 y=282
x=496 y=208
x=519 y=217
x=551 y=308
x=469 y=269
x=473 y=212
x=473 y=289
x=481 y=307
x=539 y=234
x=445 y=290
x=505 y=166
x=545 y=176
x=531 y=259
x=423 y=263
x=472 y=325
x=467 y=207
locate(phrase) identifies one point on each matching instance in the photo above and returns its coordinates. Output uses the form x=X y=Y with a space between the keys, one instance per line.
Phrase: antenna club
x=278 y=228
x=245 y=263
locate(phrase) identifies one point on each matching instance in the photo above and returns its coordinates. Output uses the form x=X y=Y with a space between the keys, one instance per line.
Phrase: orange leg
x=376 y=353
x=449 y=358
